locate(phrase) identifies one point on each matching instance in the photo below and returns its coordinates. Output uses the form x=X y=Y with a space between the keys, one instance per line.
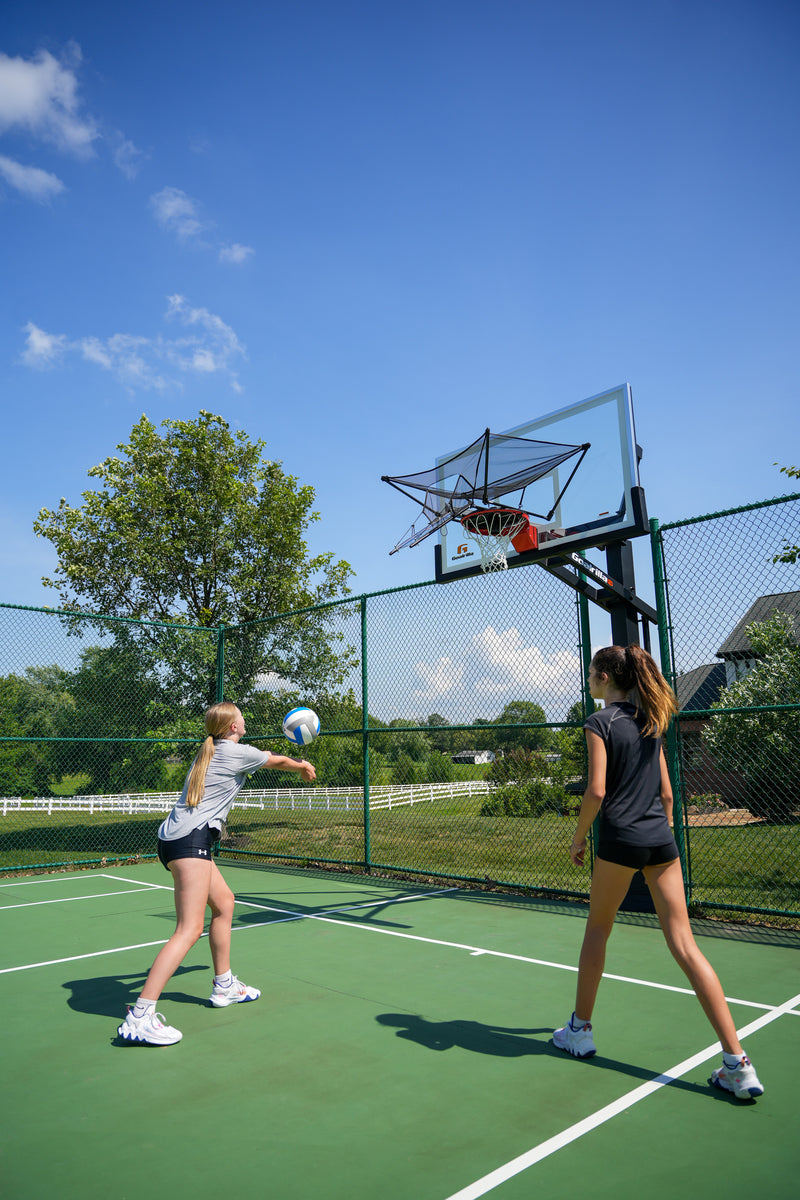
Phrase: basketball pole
x=624 y=617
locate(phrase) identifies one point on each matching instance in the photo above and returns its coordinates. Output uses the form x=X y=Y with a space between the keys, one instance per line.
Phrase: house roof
x=737 y=644
x=701 y=687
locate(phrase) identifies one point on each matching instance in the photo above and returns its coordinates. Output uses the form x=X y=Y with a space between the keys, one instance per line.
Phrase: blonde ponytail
x=218 y=720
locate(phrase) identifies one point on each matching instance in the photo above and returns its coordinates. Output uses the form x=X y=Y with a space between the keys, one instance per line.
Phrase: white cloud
x=40 y=96
x=127 y=156
x=31 y=181
x=525 y=665
x=42 y=349
x=235 y=253
x=439 y=678
x=148 y=363
x=177 y=213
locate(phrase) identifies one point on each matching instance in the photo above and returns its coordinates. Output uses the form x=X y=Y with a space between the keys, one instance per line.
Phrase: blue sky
x=365 y=231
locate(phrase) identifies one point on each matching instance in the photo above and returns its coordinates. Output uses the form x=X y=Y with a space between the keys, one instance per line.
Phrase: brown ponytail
x=632 y=667
x=218 y=720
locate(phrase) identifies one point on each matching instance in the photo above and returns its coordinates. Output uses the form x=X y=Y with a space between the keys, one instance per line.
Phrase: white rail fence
x=268 y=799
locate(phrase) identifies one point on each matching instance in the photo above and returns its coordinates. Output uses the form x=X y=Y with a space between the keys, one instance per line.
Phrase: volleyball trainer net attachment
x=469 y=487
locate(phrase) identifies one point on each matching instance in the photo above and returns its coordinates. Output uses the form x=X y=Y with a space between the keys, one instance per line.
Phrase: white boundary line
x=489 y=1182
x=288 y=915
x=70 y=899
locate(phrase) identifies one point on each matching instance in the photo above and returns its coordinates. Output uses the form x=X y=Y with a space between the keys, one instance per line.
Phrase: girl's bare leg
x=220 y=901
x=666 y=887
x=192 y=878
x=610 y=885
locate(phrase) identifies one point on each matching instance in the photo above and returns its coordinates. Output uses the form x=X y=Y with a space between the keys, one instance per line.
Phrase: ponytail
x=632 y=668
x=218 y=720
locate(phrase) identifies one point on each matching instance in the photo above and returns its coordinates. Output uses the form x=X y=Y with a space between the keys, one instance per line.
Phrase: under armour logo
x=202 y=852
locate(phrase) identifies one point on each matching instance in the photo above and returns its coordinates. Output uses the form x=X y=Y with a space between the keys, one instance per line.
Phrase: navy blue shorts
x=197 y=844
x=624 y=855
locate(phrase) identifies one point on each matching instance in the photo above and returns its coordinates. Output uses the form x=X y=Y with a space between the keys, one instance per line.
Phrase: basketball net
x=493 y=530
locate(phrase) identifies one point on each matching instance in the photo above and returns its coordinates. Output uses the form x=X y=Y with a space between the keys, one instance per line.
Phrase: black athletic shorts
x=196 y=844
x=624 y=855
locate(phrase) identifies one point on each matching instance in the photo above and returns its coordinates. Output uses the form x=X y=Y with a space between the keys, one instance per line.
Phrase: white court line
x=53 y=962
x=288 y=915
x=71 y=899
x=489 y=1182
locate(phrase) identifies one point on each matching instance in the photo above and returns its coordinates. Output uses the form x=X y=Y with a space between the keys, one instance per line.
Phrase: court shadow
x=496 y=1040
x=364 y=912
x=108 y=995
x=503 y=1042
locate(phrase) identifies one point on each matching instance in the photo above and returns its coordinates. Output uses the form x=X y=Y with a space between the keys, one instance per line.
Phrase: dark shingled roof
x=701 y=687
x=737 y=644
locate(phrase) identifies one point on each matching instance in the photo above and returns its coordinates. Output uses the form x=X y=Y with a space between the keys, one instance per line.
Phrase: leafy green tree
x=789 y=554
x=30 y=706
x=524 y=711
x=196 y=527
x=114 y=701
x=763 y=747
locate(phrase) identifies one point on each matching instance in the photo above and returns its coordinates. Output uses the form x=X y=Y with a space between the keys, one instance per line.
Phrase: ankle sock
x=142 y=1007
x=732 y=1060
x=576 y=1024
x=224 y=981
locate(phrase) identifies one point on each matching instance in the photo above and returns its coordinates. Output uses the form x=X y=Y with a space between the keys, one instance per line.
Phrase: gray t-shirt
x=229 y=767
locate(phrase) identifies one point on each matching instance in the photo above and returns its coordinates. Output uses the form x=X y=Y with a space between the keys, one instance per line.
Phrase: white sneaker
x=578 y=1042
x=237 y=993
x=741 y=1080
x=149 y=1028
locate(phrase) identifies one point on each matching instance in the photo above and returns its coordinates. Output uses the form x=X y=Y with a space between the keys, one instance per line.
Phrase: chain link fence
x=452 y=718
x=732 y=633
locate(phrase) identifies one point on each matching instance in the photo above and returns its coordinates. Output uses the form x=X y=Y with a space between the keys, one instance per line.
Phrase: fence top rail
x=729 y=512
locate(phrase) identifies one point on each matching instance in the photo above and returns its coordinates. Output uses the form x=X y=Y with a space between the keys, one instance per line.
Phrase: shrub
x=528 y=785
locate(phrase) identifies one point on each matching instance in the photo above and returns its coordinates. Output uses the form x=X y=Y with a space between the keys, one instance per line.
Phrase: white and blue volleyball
x=301 y=726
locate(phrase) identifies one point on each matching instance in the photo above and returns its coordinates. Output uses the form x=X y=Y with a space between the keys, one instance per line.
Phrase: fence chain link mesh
x=452 y=717
x=734 y=625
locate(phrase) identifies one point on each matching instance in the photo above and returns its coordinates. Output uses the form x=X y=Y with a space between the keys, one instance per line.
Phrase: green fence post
x=668 y=670
x=365 y=731
x=220 y=664
x=588 y=702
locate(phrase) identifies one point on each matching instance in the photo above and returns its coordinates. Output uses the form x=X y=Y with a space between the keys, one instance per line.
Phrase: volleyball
x=301 y=726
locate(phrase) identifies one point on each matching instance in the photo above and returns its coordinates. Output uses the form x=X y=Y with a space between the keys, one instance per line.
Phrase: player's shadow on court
x=505 y=1042
x=108 y=995
x=466 y=1035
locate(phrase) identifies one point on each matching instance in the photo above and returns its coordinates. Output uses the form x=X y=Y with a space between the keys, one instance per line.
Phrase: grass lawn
x=752 y=866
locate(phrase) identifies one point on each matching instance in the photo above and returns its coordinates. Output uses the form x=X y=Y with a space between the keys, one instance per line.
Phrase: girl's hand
x=307 y=771
x=577 y=851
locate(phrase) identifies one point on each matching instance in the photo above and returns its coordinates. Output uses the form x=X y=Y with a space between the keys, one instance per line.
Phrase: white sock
x=731 y=1060
x=224 y=981
x=576 y=1023
x=142 y=1007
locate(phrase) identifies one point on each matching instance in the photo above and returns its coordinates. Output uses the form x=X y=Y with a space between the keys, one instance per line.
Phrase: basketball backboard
x=603 y=503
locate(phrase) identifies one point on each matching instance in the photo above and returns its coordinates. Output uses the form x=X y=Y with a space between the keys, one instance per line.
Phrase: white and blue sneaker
x=575 y=1039
x=150 y=1029
x=235 y=993
x=741 y=1079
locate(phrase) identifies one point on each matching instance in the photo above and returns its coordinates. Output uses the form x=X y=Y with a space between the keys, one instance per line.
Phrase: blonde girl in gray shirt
x=185 y=841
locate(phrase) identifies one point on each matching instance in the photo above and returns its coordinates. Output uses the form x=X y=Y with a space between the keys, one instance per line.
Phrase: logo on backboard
x=463 y=551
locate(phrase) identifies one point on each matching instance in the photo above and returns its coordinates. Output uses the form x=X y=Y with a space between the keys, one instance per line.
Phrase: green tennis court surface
x=400 y=1049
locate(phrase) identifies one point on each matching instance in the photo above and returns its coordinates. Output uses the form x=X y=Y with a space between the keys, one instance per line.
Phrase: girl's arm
x=593 y=796
x=279 y=762
x=666 y=787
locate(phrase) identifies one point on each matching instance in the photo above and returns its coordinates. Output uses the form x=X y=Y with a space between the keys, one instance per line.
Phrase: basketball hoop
x=494 y=529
